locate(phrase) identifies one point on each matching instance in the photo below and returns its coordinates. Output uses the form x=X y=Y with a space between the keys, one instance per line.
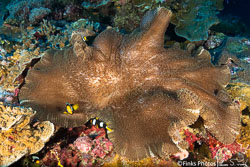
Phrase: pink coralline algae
x=220 y=152
x=90 y=148
x=83 y=144
x=102 y=147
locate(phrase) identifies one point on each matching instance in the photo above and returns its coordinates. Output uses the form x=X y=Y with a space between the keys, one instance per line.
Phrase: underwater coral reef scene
x=124 y=83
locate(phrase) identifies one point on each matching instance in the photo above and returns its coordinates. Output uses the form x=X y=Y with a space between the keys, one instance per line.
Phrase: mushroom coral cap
x=146 y=92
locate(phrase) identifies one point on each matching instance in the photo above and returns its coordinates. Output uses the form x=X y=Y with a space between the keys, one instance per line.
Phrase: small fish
x=35 y=159
x=100 y=124
x=84 y=38
x=7 y=25
x=70 y=108
x=30 y=28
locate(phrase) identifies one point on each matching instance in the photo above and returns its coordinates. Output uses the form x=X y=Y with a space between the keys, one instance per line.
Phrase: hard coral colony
x=147 y=93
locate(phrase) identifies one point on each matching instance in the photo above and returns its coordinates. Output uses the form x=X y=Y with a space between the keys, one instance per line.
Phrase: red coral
x=83 y=144
x=84 y=151
x=102 y=147
x=219 y=151
x=222 y=152
x=38 y=36
x=190 y=138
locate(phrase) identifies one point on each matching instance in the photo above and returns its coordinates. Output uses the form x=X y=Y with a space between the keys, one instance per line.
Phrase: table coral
x=193 y=14
x=11 y=116
x=147 y=93
x=18 y=138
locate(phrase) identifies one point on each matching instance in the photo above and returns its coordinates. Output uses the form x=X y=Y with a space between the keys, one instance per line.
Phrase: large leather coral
x=146 y=92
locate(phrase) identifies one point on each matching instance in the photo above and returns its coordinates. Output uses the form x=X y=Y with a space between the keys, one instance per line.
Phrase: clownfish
x=84 y=38
x=100 y=124
x=70 y=108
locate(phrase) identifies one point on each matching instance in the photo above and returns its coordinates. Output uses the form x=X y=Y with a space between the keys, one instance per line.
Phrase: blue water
x=237 y=8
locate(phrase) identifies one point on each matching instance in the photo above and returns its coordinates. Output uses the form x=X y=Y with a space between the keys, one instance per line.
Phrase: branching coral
x=146 y=92
x=18 y=138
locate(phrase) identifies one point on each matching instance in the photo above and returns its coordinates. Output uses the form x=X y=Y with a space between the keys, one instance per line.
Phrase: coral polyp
x=146 y=92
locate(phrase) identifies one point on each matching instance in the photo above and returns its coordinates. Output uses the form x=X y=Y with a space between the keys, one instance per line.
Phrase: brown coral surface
x=146 y=92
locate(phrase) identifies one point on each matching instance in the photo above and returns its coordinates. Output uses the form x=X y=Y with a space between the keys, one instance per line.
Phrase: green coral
x=95 y=4
x=128 y=14
x=3 y=11
x=236 y=47
x=194 y=18
x=127 y=18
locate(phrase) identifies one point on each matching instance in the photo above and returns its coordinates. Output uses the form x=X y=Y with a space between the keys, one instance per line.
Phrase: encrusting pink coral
x=219 y=151
x=88 y=149
x=83 y=144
